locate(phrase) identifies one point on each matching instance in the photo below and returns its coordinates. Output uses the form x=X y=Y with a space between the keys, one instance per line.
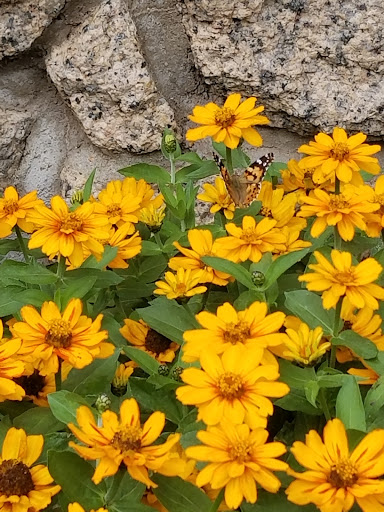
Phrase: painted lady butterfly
x=246 y=188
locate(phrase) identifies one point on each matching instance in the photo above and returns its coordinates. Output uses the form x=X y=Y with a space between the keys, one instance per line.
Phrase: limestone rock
x=101 y=73
x=22 y=21
x=314 y=64
x=14 y=130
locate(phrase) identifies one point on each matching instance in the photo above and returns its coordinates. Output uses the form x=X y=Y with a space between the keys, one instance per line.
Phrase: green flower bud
x=258 y=278
x=103 y=403
x=170 y=143
x=163 y=370
x=176 y=373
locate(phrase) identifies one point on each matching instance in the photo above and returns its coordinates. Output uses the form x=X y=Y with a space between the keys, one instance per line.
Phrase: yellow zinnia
x=69 y=336
x=233 y=386
x=127 y=247
x=292 y=243
x=71 y=234
x=37 y=387
x=345 y=210
x=301 y=180
x=238 y=458
x=281 y=209
x=375 y=220
x=76 y=507
x=342 y=279
x=229 y=123
x=24 y=486
x=201 y=241
x=252 y=327
x=337 y=478
x=250 y=241
x=10 y=368
x=182 y=284
x=15 y=210
x=124 y=440
x=340 y=155
x=217 y=194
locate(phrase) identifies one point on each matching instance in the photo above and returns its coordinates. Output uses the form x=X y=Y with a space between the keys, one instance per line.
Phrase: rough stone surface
x=101 y=73
x=22 y=21
x=313 y=63
x=14 y=130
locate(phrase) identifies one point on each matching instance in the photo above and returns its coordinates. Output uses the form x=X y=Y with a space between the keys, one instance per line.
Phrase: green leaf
x=144 y=360
x=32 y=296
x=113 y=327
x=349 y=405
x=177 y=494
x=64 y=405
x=294 y=376
x=361 y=346
x=150 y=173
x=196 y=172
x=31 y=273
x=8 y=304
x=102 y=278
x=74 y=475
x=234 y=269
x=7 y=245
x=190 y=157
x=240 y=160
x=122 y=490
x=281 y=264
x=168 y=318
x=309 y=308
x=152 y=267
x=297 y=401
x=245 y=299
x=87 y=190
x=311 y=390
x=77 y=288
x=149 y=248
x=374 y=402
x=38 y=420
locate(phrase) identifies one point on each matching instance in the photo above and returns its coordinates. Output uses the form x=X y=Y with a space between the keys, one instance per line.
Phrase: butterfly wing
x=254 y=174
x=236 y=189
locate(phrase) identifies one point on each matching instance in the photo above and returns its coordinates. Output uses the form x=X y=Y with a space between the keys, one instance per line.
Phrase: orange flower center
x=15 y=478
x=180 y=288
x=339 y=151
x=266 y=212
x=343 y=474
x=345 y=277
x=230 y=385
x=379 y=198
x=128 y=438
x=236 y=333
x=71 y=223
x=224 y=117
x=156 y=342
x=114 y=210
x=240 y=452
x=249 y=235
x=59 y=334
x=337 y=202
x=10 y=206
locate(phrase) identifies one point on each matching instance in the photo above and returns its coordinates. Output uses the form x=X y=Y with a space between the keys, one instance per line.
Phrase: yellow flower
x=292 y=243
x=340 y=155
x=201 y=241
x=76 y=507
x=301 y=180
x=281 y=209
x=337 y=478
x=375 y=220
x=233 y=387
x=345 y=210
x=24 y=486
x=253 y=327
x=128 y=248
x=37 y=387
x=152 y=216
x=143 y=191
x=238 y=458
x=123 y=440
x=70 y=336
x=182 y=284
x=148 y=340
x=70 y=234
x=120 y=206
x=10 y=367
x=368 y=375
x=342 y=279
x=15 y=210
x=229 y=123
x=120 y=380
x=250 y=241
x=217 y=194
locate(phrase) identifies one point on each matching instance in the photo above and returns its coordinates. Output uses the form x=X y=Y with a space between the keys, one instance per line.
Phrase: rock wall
x=92 y=83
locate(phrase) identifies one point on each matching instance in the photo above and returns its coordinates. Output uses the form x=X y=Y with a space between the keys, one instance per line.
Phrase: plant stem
x=337 y=186
x=218 y=500
x=228 y=160
x=336 y=239
x=58 y=377
x=61 y=267
x=182 y=224
x=324 y=405
x=173 y=169
x=336 y=330
x=23 y=247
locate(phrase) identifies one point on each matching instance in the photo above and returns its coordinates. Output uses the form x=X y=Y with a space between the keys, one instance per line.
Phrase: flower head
x=301 y=180
x=24 y=486
x=120 y=380
x=228 y=123
x=37 y=387
x=375 y=220
x=124 y=440
x=127 y=247
x=282 y=209
x=342 y=279
x=50 y=335
x=10 y=368
x=121 y=206
x=217 y=194
x=336 y=478
x=292 y=243
x=15 y=210
x=238 y=458
x=152 y=216
x=182 y=284
x=76 y=507
x=340 y=155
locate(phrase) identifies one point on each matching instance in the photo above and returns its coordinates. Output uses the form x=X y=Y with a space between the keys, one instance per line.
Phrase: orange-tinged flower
x=368 y=376
x=24 y=486
x=182 y=284
x=152 y=216
x=336 y=478
x=217 y=194
x=37 y=387
x=375 y=220
x=201 y=241
x=282 y=209
x=124 y=440
x=301 y=180
x=15 y=210
x=69 y=234
x=345 y=210
x=238 y=458
x=292 y=243
x=233 y=386
x=252 y=327
x=250 y=241
x=76 y=507
x=148 y=340
x=229 y=123
x=340 y=155
x=70 y=336
x=127 y=248
x=342 y=279
x=10 y=367
x=120 y=380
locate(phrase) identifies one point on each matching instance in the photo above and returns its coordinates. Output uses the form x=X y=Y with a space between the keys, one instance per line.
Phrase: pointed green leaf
x=309 y=308
x=349 y=405
x=148 y=172
x=64 y=405
x=177 y=494
x=38 y=420
x=144 y=360
x=281 y=264
x=360 y=345
x=234 y=269
x=87 y=190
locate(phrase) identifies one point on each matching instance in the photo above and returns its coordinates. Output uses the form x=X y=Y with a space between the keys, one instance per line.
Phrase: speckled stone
x=22 y=21
x=102 y=75
x=14 y=130
x=314 y=64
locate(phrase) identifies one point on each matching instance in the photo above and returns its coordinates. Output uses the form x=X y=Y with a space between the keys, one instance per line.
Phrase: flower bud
x=170 y=143
x=163 y=370
x=103 y=403
x=176 y=373
x=258 y=278
x=77 y=197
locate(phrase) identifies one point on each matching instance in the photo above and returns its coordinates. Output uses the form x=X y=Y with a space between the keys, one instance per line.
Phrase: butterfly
x=246 y=188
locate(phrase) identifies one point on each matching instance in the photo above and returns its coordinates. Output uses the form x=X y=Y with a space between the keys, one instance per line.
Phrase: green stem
x=324 y=405
x=228 y=159
x=336 y=239
x=61 y=267
x=336 y=330
x=218 y=500
x=58 y=377
x=337 y=186
x=182 y=224
x=173 y=169
x=23 y=247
